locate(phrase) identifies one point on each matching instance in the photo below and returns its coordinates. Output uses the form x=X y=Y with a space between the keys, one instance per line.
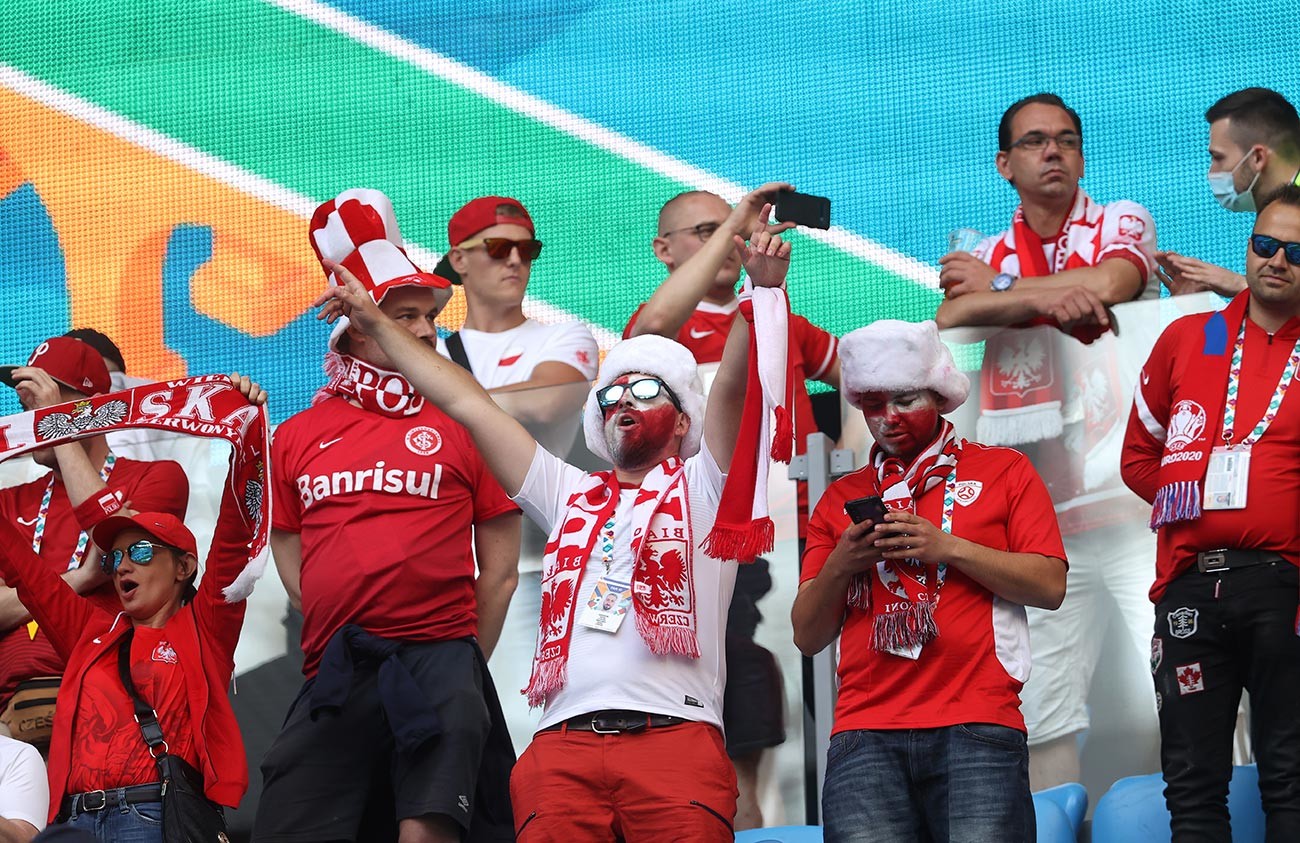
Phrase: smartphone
x=803 y=209
x=870 y=508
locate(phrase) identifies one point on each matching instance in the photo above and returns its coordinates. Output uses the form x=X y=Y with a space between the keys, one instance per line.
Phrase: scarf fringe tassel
x=549 y=675
x=914 y=626
x=1029 y=424
x=1179 y=501
x=740 y=542
x=783 y=437
x=668 y=641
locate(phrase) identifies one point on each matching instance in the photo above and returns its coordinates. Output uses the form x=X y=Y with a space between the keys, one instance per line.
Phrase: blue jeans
x=958 y=784
x=138 y=823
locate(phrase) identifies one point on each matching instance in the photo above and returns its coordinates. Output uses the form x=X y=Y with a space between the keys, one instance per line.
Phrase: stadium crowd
x=958 y=579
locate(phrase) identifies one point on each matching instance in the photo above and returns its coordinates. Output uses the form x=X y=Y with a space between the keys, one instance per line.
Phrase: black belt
x=98 y=800
x=614 y=722
x=1227 y=558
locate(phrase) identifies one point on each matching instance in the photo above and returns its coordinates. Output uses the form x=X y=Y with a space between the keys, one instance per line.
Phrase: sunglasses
x=140 y=553
x=499 y=248
x=1266 y=247
x=646 y=389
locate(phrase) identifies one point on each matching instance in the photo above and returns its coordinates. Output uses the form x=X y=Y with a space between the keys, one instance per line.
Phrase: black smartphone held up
x=871 y=508
x=803 y=209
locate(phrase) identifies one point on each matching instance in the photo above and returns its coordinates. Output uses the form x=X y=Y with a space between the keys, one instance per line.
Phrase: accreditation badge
x=1226 y=478
x=607 y=605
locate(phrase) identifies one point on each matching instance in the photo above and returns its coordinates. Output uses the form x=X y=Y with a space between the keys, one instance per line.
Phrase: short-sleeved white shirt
x=509 y=357
x=618 y=671
x=24 y=789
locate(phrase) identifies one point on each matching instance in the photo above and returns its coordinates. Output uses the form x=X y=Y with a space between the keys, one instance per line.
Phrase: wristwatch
x=1002 y=282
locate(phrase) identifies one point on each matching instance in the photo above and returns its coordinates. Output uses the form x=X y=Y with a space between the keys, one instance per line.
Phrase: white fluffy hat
x=893 y=356
x=652 y=355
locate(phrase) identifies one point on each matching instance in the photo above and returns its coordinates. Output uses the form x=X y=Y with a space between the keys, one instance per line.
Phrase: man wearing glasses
x=1213 y=442
x=1062 y=262
x=493 y=246
x=1254 y=149
x=86 y=483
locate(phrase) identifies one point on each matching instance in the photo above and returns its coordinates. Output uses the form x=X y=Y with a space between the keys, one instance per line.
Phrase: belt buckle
x=1214 y=560
x=600 y=731
x=103 y=801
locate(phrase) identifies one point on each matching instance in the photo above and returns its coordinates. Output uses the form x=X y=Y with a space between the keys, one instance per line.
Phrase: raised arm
x=506 y=445
x=766 y=258
x=58 y=609
x=681 y=292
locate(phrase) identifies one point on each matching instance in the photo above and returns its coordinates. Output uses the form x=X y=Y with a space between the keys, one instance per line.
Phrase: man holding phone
x=928 y=741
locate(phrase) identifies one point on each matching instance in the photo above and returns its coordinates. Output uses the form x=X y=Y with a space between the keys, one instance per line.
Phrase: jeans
x=1214 y=635
x=138 y=823
x=958 y=784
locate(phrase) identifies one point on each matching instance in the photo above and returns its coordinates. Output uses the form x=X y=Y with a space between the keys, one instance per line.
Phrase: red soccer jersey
x=111 y=752
x=149 y=487
x=973 y=672
x=385 y=508
x=1273 y=490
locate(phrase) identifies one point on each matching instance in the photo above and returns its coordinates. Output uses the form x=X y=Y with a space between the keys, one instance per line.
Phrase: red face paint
x=639 y=432
x=902 y=423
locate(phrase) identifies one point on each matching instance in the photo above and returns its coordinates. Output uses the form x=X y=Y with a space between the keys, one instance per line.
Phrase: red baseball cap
x=163 y=526
x=485 y=212
x=69 y=361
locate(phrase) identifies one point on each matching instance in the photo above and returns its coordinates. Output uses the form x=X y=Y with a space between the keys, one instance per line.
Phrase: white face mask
x=1224 y=187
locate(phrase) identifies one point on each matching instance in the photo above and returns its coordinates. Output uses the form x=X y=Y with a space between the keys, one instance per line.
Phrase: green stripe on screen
x=316 y=112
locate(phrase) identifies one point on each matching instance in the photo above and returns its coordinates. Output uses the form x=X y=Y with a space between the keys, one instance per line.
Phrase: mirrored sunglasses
x=499 y=248
x=140 y=553
x=1266 y=247
x=645 y=389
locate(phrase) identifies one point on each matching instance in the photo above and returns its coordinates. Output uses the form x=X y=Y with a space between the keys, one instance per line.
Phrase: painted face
x=1274 y=282
x=146 y=589
x=902 y=423
x=641 y=433
x=1050 y=172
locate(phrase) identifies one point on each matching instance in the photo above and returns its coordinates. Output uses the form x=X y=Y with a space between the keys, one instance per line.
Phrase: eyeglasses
x=704 y=230
x=1266 y=247
x=499 y=248
x=1034 y=141
x=140 y=553
x=646 y=389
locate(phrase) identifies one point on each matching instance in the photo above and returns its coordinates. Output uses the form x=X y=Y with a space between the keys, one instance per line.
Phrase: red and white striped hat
x=358 y=229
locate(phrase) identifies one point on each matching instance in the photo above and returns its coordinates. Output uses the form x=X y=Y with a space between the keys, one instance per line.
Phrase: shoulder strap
x=456 y=349
x=144 y=713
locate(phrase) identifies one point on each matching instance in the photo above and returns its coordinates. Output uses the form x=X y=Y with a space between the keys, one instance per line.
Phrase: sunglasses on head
x=140 y=553
x=1266 y=247
x=499 y=248
x=646 y=389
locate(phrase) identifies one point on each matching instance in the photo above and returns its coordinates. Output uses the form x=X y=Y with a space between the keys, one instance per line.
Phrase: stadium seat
x=1060 y=811
x=1134 y=810
x=781 y=834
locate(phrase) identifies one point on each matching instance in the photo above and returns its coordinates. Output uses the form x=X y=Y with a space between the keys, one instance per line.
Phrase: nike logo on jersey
x=27 y=522
x=697 y=334
x=1146 y=379
x=325 y=445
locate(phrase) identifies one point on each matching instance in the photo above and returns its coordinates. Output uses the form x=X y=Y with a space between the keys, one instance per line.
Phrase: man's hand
x=36 y=389
x=350 y=300
x=909 y=536
x=856 y=550
x=1071 y=307
x=748 y=212
x=1182 y=275
x=964 y=273
x=766 y=257
x=251 y=390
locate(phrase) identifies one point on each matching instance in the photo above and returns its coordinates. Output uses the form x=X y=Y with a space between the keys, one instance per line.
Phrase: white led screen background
x=158 y=158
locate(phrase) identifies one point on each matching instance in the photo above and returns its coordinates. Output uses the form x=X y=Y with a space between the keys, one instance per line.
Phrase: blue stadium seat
x=1134 y=810
x=781 y=834
x=1060 y=812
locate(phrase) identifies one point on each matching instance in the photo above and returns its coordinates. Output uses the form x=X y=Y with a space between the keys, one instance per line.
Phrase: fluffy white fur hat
x=893 y=356
x=654 y=355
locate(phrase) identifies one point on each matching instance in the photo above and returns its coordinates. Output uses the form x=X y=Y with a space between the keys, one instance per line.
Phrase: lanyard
x=607 y=544
x=945 y=524
x=1234 y=385
x=83 y=540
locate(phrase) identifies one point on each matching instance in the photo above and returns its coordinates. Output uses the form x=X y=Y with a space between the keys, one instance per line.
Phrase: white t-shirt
x=618 y=671
x=509 y=357
x=24 y=790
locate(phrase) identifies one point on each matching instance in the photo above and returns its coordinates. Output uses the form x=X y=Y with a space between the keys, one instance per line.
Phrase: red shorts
x=663 y=784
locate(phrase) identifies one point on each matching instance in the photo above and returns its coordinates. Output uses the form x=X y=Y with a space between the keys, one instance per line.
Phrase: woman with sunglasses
x=181 y=643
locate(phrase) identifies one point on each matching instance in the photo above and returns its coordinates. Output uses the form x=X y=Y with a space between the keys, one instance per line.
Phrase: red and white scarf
x=903 y=594
x=376 y=390
x=207 y=406
x=663 y=581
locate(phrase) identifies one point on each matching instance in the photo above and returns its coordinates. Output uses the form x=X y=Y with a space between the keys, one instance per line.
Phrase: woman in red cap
x=181 y=643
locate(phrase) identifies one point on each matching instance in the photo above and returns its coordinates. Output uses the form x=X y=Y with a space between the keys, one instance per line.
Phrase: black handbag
x=187 y=815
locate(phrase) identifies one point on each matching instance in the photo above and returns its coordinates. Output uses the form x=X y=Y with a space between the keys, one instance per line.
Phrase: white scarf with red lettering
x=663 y=584
x=376 y=390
